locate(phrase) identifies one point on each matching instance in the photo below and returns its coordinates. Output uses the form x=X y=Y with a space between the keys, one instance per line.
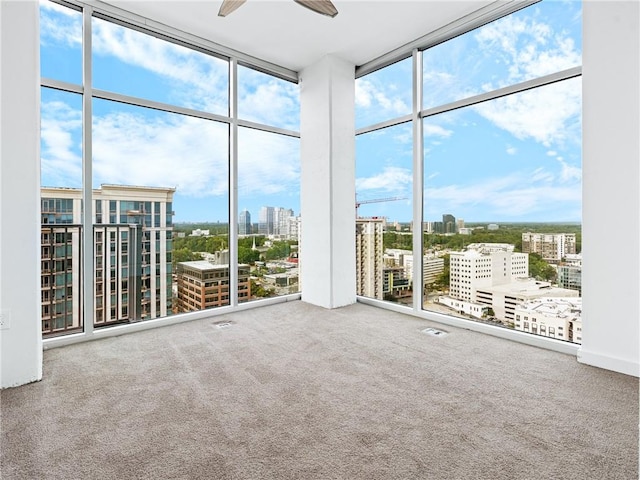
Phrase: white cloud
x=547 y=114
x=569 y=173
x=61 y=155
x=433 y=130
x=527 y=47
x=186 y=77
x=166 y=150
x=194 y=79
x=552 y=153
x=541 y=175
x=268 y=164
x=191 y=155
x=387 y=103
x=268 y=100
x=391 y=180
x=60 y=25
x=513 y=196
x=161 y=150
x=511 y=150
x=516 y=48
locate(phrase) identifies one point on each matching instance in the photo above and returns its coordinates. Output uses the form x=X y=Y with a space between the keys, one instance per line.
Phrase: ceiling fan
x=323 y=7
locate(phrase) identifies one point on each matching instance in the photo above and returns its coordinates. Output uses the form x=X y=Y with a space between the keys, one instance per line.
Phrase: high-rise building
x=293 y=228
x=448 y=223
x=60 y=261
x=132 y=255
x=369 y=257
x=265 y=221
x=244 y=223
x=552 y=247
x=202 y=284
x=278 y=222
x=484 y=265
x=281 y=217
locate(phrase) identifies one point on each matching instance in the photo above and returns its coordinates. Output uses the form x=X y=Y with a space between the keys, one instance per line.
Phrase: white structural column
x=328 y=259
x=21 y=338
x=611 y=174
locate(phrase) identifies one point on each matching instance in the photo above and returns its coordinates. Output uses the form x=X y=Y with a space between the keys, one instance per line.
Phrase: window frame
x=414 y=49
x=126 y=19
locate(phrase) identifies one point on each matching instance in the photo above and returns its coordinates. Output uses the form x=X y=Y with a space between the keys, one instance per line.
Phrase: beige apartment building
x=369 y=257
x=552 y=247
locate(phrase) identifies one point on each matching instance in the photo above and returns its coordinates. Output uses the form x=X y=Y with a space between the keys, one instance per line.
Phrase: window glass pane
x=143 y=160
x=269 y=100
x=269 y=214
x=384 y=94
x=61 y=210
x=60 y=43
x=502 y=209
x=133 y=63
x=541 y=39
x=384 y=248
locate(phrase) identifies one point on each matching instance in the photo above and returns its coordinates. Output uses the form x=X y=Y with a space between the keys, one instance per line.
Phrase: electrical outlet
x=5 y=320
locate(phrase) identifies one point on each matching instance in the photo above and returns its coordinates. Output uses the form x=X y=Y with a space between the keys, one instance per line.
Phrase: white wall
x=327 y=203
x=20 y=344
x=611 y=174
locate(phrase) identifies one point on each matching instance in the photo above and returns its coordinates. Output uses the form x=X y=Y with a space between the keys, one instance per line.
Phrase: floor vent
x=434 y=332
x=223 y=324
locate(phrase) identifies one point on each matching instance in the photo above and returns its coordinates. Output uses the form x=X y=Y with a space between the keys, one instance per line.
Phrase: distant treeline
x=507 y=233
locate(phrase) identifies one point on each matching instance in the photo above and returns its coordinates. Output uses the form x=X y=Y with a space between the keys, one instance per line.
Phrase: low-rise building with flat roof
x=202 y=284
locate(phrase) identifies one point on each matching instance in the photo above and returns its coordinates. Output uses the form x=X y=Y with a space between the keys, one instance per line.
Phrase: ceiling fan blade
x=324 y=7
x=229 y=6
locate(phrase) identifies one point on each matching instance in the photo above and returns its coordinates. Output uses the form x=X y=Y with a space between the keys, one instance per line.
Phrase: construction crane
x=376 y=200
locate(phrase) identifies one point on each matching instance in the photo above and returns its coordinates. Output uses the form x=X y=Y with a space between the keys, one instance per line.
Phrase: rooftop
x=532 y=288
x=554 y=307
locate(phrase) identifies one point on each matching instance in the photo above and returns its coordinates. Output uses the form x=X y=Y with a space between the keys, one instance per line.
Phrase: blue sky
x=512 y=159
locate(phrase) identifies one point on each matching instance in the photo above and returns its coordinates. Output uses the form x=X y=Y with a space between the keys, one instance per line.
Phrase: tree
x=397 y=240
x=278 y=250
x=247 y=255
x=258 y=291
x=185 y=255
x=540 y=269
x=442 y=281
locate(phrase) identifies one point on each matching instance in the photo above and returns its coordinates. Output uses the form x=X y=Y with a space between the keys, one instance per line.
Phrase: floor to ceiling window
x=384 y=179
x=61 y=172
x=499 y=165
x=158 y=136
x=268 y=186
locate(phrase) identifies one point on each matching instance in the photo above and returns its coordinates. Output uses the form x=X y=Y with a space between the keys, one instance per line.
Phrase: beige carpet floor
x=293 y=391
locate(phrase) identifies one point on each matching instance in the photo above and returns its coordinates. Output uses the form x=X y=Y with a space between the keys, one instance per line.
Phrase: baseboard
x=607 y=362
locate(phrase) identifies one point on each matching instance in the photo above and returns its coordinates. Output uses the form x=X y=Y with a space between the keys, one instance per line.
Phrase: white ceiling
x=289 y=35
